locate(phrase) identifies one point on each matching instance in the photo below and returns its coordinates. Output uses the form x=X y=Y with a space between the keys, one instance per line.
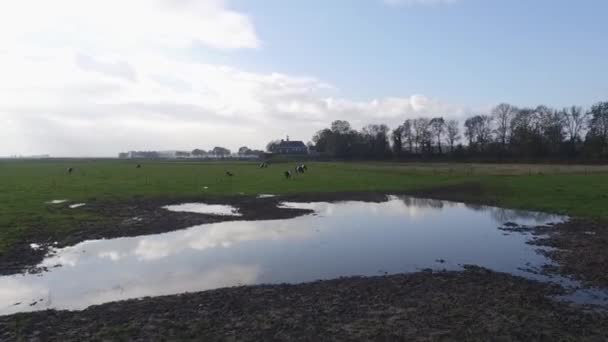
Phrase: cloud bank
x=98 y=77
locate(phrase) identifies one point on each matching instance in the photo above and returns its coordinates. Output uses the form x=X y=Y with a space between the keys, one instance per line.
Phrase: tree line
x=506 y=132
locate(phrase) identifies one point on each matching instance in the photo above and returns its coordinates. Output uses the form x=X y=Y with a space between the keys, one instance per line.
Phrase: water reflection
x=403 y=234
x=203 y=208
x=521 y=216
x=423 y=202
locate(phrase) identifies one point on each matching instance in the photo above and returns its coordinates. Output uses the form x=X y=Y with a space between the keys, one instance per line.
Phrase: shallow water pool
x=403 y=234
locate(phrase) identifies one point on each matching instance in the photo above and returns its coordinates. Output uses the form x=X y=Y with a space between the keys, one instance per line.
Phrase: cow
x=70 y=170
x=287 y=174
x=229 y=174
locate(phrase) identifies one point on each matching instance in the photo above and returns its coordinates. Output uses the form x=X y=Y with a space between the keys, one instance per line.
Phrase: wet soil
x=475 y=304
x=581 y=249
x=578 y=248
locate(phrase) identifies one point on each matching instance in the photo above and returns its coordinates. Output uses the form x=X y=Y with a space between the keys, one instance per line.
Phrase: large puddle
x=341 y=239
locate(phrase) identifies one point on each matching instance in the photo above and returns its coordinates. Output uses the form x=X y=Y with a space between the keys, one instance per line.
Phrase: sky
x=97 y=77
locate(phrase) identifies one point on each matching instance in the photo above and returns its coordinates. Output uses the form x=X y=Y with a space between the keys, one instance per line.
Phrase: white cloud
x=96 y=78
x=53 y=105
x=116 y=69
x=132 y=24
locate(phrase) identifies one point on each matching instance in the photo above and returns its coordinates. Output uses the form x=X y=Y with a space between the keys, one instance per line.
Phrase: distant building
x=141 y=155
x=222 y=153
x=290 y=147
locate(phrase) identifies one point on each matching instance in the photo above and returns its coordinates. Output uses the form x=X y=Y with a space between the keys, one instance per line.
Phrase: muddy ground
x=475 y=304
x=579 y=248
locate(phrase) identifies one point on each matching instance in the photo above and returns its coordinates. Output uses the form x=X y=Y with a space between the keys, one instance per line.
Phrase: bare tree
x=453 y=133
x=244 y=150
x=438 y=127
x=598 y=126
x=575 y=119
x=421 y=132
x=397 y=137
x=340 y=126
x=407 y=134
x=502 y=116
x=478 y=130
x=377 y=140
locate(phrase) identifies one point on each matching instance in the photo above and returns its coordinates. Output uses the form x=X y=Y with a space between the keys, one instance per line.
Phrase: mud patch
x=578 y=248
x=475 y=304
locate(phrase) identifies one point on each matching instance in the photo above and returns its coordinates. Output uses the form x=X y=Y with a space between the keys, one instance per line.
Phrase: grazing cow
x=300 y=168
x=229 y=174
x=263 y=165
x=287 y=174
x=70 y=170
x=138 y=166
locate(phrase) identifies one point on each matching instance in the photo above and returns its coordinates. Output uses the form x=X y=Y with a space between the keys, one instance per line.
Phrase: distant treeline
x=507 y=132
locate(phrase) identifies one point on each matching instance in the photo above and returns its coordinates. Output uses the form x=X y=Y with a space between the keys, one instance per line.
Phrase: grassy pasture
x=27 y=186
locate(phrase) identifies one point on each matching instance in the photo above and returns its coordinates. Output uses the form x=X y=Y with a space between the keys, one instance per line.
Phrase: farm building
x=290 y=147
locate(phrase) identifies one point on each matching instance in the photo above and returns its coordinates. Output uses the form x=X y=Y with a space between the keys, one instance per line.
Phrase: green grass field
x=26 y=186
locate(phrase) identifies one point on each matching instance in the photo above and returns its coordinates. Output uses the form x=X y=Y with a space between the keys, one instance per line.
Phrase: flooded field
x=403 y=234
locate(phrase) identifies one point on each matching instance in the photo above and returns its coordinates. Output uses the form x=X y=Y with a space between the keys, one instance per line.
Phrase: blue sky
x=470 y=51
x=173 y=71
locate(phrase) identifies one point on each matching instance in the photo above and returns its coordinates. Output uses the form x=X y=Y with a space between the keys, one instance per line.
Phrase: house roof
x=291 y=144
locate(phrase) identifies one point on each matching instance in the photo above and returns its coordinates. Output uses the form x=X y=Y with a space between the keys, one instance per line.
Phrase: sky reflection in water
x=350 y=238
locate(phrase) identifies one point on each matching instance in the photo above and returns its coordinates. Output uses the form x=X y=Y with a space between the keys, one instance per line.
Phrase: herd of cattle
x=299 y=169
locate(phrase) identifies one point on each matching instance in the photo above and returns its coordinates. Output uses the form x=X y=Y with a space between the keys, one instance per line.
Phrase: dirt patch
x=580 y=249
x=475 y=304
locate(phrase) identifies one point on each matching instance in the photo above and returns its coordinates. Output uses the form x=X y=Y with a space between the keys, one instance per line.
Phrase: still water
x=203 y=208
x=403 y=234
